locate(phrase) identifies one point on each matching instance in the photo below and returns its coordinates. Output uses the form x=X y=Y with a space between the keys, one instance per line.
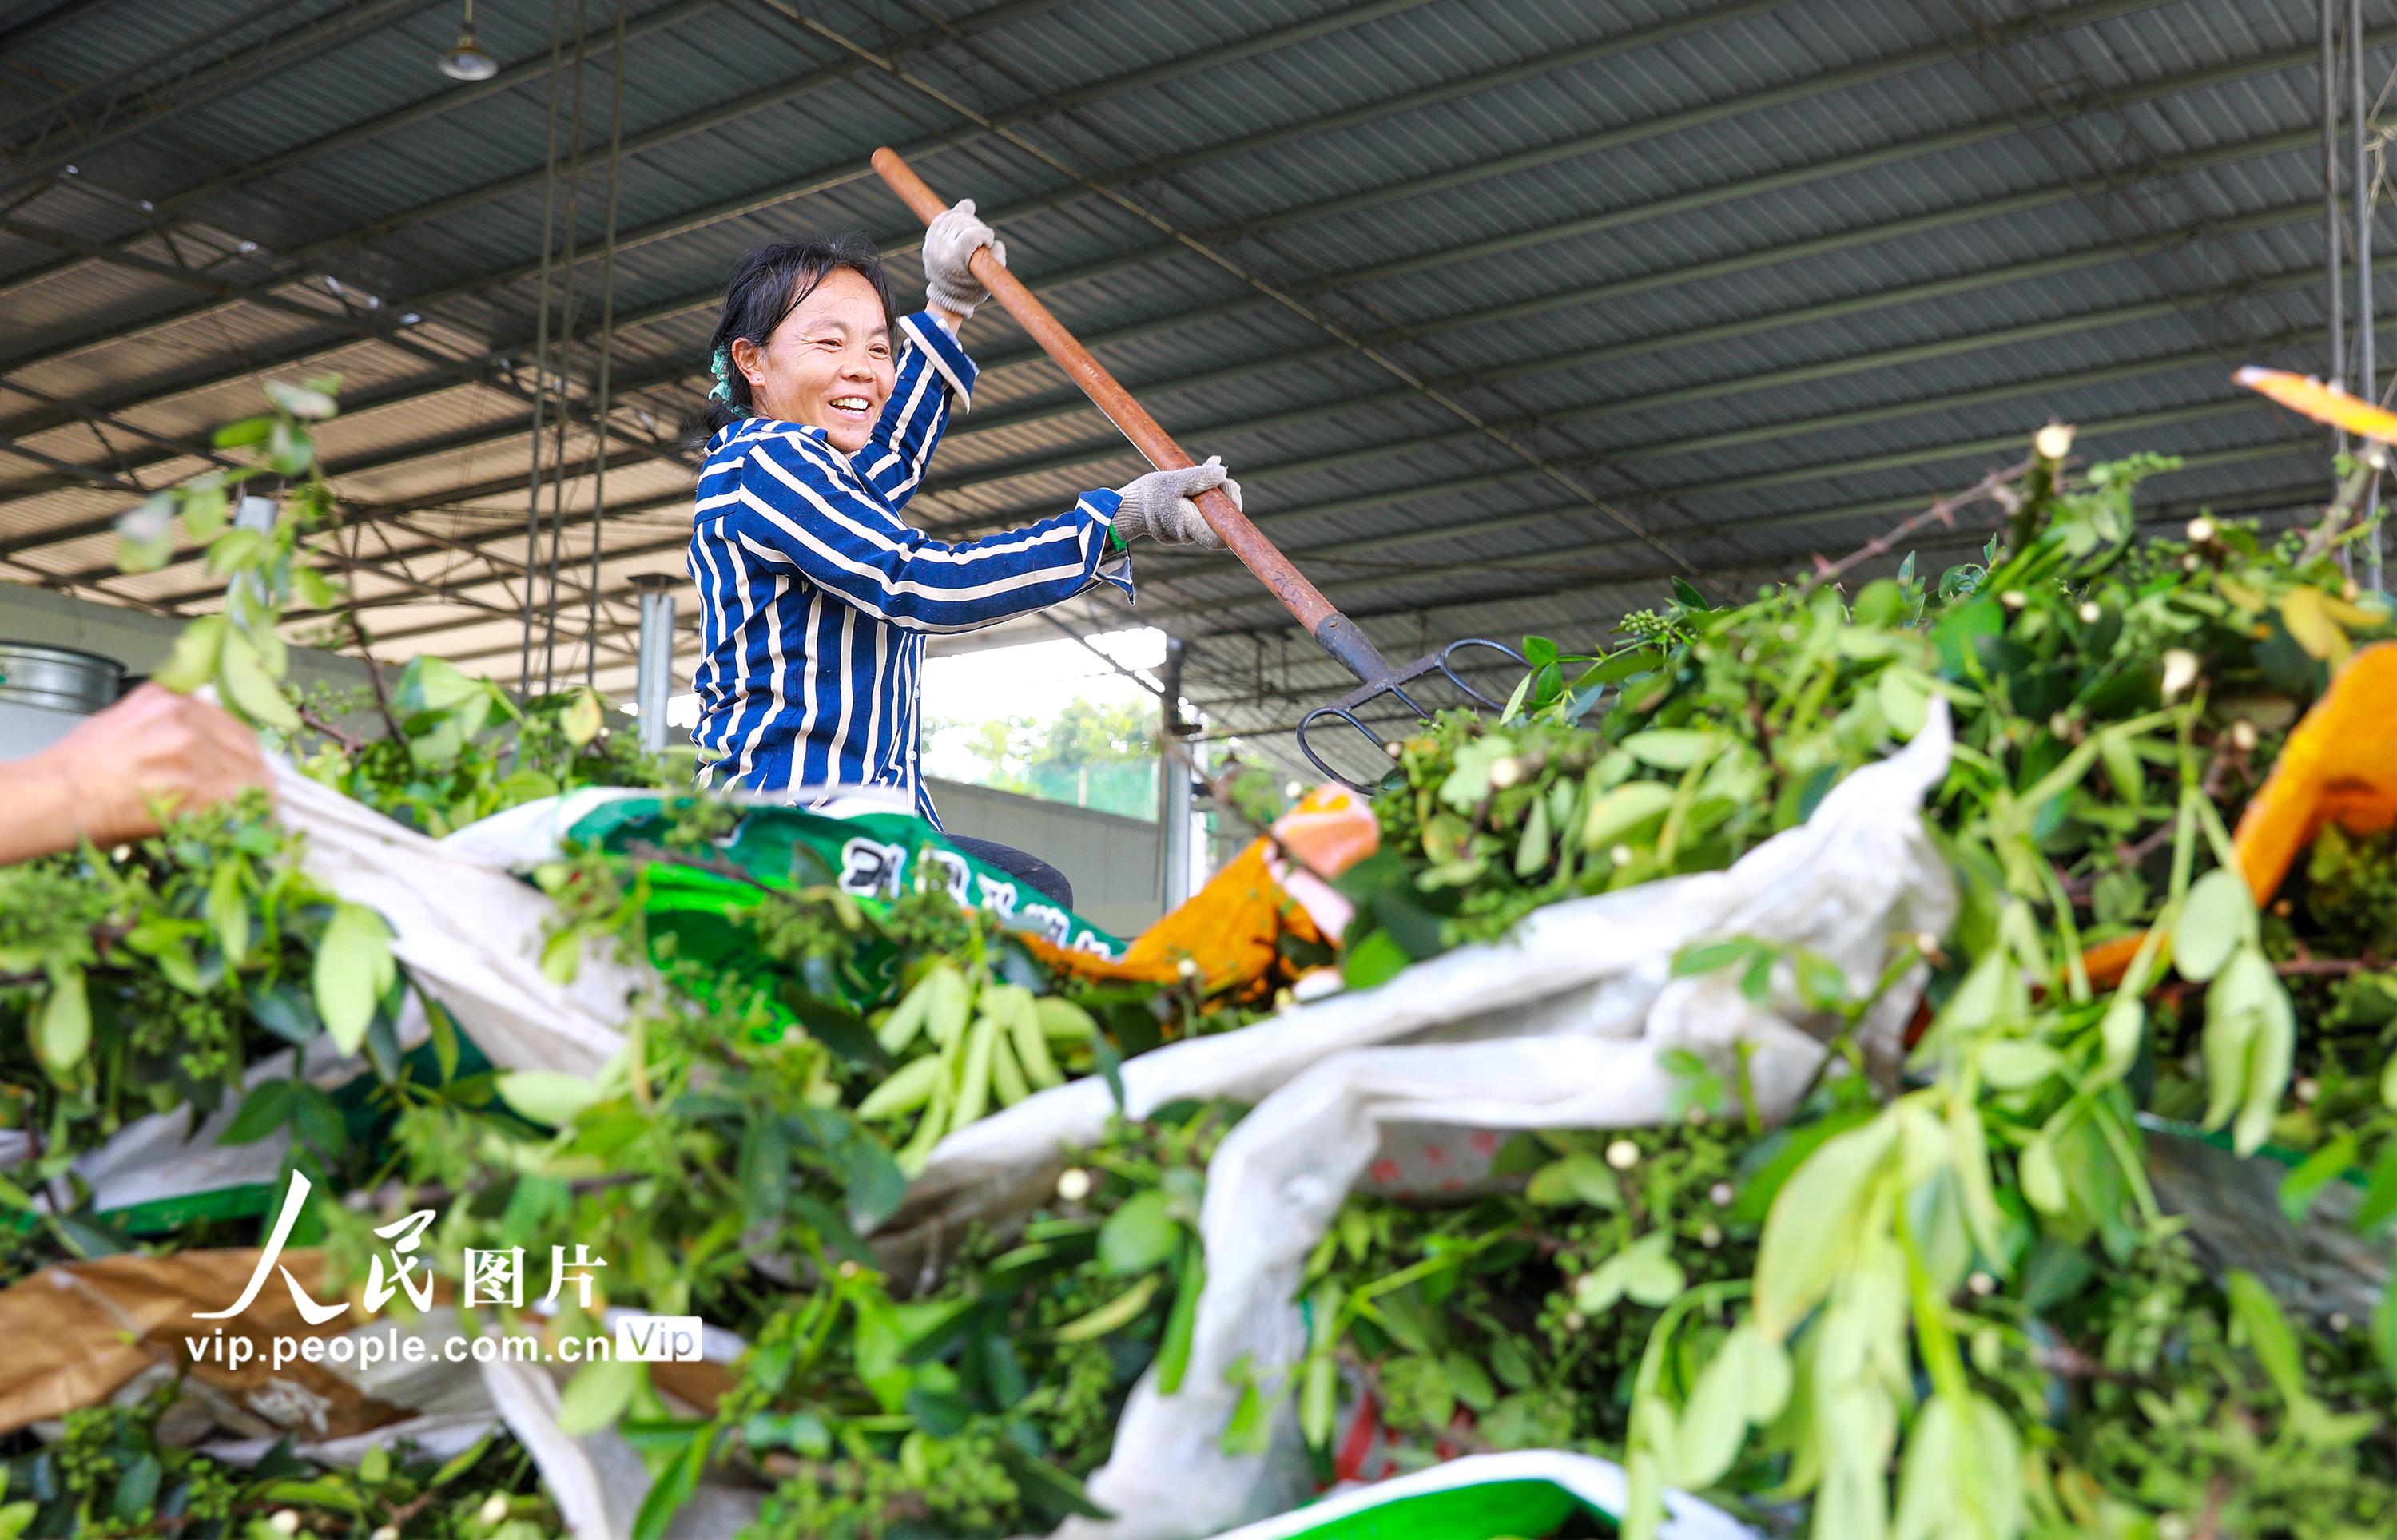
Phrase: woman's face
x=827 y=365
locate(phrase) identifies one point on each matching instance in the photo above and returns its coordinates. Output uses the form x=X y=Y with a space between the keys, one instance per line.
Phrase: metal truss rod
x=309 y=253
x=850 y=169
x=1656 y=449
x=450 y=97
x=1331 y=552
x=1585 y=295
x=48 y=22
x=361 y=328
x=210 y=82
x=847 y=170
x=1692 y=339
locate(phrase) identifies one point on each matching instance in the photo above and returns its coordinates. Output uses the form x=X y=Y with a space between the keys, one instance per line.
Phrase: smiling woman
x=815 y=595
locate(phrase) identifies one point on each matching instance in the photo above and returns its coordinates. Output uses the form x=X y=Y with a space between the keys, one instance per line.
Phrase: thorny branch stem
x=374 y=677
x=1987 y=489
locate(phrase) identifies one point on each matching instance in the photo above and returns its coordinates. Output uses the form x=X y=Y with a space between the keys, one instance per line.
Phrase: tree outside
x=1096 y=754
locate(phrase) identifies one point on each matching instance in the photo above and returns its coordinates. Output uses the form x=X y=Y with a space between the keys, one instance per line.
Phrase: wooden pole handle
x=1259 y=555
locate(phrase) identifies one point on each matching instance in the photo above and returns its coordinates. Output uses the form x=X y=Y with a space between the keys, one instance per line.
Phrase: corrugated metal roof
x=1756 y=276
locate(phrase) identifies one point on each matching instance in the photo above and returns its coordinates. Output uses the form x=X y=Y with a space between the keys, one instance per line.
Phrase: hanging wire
x=570 y=301
x=607 y=350
x=541 y=346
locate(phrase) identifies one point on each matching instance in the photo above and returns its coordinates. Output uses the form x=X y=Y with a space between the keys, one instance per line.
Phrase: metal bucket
x=45 y=690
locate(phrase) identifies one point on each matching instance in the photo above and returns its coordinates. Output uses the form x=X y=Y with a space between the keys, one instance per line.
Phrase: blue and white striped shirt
x=814 y=596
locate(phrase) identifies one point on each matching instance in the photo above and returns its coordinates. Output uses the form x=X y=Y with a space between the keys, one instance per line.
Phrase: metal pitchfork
x=1333 y=632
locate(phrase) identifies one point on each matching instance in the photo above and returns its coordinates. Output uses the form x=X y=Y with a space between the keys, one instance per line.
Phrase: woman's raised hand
x=950 y=242
x=1159 y=505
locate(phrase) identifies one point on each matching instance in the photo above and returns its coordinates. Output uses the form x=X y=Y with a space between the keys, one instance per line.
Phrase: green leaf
x=1669 y=747
x=138 y=1489
x=250 y=689
x=301 y=401
x=583 y=717
x=1577 y=1178
x=1617 y=812
x=1182 y=1320
x=266 y=1108
x=2269 y=1336
x=1139 y=1236
x=2042 y=1179
x=1715 y=1417
x=193 y=660
x=63 y=1033
x=2317 y=1171
x=1468 y=1380
x=1374 y=961
x=353 y=969
x=2218 y=915
x=1706 y=957
x=597 y=1395
x=2379 y=1193
x=146 y=534
x=673 y=1486
x=1532 y=852
x=228 y=910
x=243 y=433
x=2014 y=1064
x=1115 y=1315
x=549 y=1096
x=1810 y=1231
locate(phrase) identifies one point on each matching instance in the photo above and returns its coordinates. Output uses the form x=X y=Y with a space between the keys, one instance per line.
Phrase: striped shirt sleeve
x=933 y=376
x=799 y=509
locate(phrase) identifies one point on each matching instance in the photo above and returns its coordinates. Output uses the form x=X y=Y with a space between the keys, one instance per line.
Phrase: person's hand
x=1159 y=506
x=153 y=750
x=950 y=242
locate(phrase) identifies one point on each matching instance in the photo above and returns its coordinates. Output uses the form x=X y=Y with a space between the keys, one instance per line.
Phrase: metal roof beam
x=358 y=325
x=1592 y=294
x=1654 y=449
x=1574 y=359
x=49 y=20
x=1560 y=230
x=1665 y=448
x=454 y=95
x=209 y=83
x=310 y=253
x=393 y=571
x=849 y=170
x=1331 y=552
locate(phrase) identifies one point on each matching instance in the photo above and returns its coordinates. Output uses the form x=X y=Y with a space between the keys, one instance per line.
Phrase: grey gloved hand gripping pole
x=1333 y=632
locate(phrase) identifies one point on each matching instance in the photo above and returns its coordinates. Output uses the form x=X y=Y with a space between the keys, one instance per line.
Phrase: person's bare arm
x=154 y=749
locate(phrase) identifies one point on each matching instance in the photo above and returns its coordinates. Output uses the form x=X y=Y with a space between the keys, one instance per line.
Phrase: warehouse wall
x=1110 y=861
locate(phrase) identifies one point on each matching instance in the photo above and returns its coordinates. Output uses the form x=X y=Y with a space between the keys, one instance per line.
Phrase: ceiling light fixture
x=466 y=61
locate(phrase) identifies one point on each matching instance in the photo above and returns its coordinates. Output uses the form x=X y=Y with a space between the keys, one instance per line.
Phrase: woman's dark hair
x=767 y=284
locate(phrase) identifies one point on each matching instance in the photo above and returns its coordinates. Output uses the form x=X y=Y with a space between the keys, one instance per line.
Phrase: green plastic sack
x=1524 y=1496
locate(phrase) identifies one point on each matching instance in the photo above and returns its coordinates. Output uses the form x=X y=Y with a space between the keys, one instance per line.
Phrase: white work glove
x=950 y=241
x=1159 y=506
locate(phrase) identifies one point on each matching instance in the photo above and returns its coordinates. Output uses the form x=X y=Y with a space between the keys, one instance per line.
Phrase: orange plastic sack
x=2339 y=767
x=1231 y=929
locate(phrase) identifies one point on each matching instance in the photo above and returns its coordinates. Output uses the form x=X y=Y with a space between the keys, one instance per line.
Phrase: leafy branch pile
x=2002 y=1294
x=1970 y=1312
